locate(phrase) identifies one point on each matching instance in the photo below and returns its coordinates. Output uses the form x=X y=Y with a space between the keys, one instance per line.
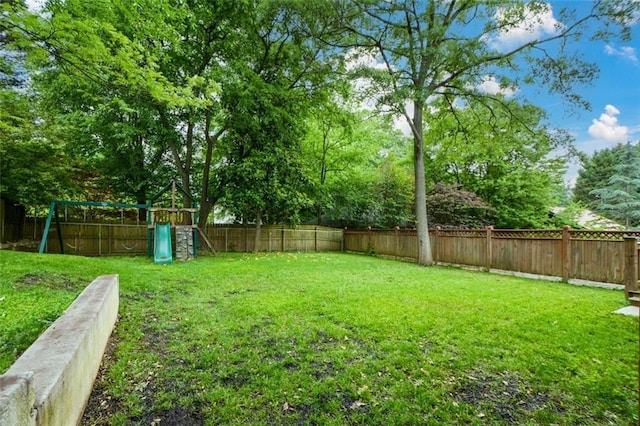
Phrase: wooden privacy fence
x=601 y=256
x=304 y=238
x=99 y=239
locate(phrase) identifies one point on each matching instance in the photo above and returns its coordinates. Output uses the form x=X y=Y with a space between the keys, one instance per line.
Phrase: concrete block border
x=51 y=382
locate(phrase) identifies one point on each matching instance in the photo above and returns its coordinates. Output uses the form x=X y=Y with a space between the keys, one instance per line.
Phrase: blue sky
x=614 y=96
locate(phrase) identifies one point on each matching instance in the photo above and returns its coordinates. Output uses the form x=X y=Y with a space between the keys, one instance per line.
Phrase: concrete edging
x=51 y=382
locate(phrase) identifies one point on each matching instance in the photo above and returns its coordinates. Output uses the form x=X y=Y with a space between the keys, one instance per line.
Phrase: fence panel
x=357 y=241
x=597 y=260
x=98 y=239
x=124 y=239
x=533 y=256
x=275 y=238
x=583 y=255
x=95 y=239
x=462 y=247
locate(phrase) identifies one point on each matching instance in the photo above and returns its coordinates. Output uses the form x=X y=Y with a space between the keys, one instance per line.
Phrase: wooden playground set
x=165 y=225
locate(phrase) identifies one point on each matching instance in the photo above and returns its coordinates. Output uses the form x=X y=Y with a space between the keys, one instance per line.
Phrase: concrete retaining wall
x=52 y=380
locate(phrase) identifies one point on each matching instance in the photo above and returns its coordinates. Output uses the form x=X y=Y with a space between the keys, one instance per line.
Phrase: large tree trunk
x=256 y=241
x=184 y=167
x=141 y=198
x=206 y=203
x=425 y=257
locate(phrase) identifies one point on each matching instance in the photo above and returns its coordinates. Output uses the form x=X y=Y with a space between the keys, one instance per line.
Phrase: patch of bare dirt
x=101 y=406
x=173 y=417
x=505 y=395
x=52 y=281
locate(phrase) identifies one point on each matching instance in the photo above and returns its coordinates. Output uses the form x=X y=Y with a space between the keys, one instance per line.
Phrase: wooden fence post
x=566 y=253
x=110 y=239
x=397 y=248
x=282 y=237
x=436 y=245
x=315 y=239
x=630 y=265
x=489 y=250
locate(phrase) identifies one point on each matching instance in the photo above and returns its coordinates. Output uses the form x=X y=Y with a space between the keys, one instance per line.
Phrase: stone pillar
x=184 y=243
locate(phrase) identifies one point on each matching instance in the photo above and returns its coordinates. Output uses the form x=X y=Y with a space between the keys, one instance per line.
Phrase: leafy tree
x=513 y=171
x=379 y=196
x=328 y=149
x=393 y=192
x=345 y=146
x=350 y=200
x=262 y=170
x=279 y=75
x=12 y=73
x=449 y=205
x=34 y=165
x=165 y=71
x=620 y=198
x=115 y=136
x=428 y=49
x=595 y=173
x=152 y=69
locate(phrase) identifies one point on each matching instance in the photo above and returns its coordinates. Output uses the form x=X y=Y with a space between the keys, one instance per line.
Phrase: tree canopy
x=426 y=50
x=284 y=110
x=618 y=197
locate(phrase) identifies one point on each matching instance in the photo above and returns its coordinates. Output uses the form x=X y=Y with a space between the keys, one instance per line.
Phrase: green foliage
x=449 y=205
x=620 y=197
x=444 y=51
x=343 y=339
x=356 y=160
x=262 y=167
x=512 y=171
x=394 y=194
x=34 y=163
x=595 y=175
x=143 y=92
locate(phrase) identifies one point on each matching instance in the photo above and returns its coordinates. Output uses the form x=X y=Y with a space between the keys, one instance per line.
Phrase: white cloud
x=607 y=128
x=359 y=58
x=491 y=86
x=364 y=88
x=517 y=30
x=625 y=52
x=400 y=122
x=35 y=5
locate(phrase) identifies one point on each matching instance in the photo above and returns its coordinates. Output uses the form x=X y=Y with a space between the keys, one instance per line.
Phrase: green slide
x=162 y=243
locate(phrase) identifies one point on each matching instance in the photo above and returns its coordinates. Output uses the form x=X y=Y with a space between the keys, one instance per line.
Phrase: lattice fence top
x=468 y=233
x=604 y=235
x=542 y=234
x=548 y=234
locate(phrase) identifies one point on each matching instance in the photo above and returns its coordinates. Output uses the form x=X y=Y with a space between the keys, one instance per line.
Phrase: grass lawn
x=336 y=339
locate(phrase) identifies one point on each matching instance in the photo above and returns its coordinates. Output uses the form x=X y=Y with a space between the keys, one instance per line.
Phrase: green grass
x=338 y=339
